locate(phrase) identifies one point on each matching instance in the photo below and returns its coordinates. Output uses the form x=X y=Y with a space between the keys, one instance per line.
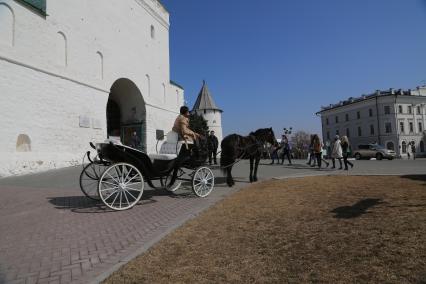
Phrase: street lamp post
x=288 y=131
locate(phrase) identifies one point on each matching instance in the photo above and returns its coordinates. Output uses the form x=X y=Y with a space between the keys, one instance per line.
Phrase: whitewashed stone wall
x=56 y=73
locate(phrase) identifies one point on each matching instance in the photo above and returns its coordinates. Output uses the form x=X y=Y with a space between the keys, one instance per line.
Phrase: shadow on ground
x=415 y=177
x=358 y=209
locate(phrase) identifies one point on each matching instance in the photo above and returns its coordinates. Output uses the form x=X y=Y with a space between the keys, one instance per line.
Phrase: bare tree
x=301 y=141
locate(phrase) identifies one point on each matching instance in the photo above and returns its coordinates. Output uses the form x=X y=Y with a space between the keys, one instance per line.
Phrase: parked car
x=373 y=151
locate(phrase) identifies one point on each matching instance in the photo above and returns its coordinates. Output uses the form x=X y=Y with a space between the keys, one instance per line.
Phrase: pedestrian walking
x=274 y=154
x=413 y=150
x=345 y=150
x=285 y=145
x=337 y=152
x=312 y=158
x=324 y=155
x=317 y=146
x=212 y=145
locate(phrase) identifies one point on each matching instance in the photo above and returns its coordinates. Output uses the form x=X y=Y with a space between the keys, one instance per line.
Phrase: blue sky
x=273 y=63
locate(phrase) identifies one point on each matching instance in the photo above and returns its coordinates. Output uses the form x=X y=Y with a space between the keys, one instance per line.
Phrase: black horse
x=235 y=147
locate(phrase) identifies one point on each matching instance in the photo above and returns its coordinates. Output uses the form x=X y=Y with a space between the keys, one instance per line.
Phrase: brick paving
x=51 y=233
x=56 y=235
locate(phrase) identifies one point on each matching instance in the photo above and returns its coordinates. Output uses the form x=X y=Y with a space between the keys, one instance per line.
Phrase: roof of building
x=378 y=93
x=176 y=84
x=205 y=100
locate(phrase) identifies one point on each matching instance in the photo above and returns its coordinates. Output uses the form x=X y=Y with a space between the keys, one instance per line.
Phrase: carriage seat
x=170 y=148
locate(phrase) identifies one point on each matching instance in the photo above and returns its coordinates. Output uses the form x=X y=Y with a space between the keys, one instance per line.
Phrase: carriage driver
x=181 y=126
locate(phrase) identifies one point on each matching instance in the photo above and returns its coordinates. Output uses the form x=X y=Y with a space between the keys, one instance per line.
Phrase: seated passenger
x=181 y=126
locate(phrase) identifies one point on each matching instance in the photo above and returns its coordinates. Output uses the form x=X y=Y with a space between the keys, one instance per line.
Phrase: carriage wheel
x=89 y=179
x=203 y=181
x=121 y=186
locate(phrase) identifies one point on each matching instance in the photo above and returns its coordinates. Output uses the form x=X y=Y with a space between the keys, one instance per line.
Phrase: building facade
x=392 y=118
x=207 y=108
x=77 y=71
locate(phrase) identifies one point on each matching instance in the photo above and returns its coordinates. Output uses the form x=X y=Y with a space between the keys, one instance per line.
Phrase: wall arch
x=126 y=113
x=7 y=25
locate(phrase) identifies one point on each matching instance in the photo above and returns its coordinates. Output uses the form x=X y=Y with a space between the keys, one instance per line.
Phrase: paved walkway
x=50 y=233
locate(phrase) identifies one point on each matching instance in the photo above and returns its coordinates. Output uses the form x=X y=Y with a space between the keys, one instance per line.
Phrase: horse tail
x=227 y=156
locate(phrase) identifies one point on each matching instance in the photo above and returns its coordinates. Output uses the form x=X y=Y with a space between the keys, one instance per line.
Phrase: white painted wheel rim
x=121 y=186
x=203 y=182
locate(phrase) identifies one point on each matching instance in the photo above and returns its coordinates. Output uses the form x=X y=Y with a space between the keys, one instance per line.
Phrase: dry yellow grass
x=316 y=229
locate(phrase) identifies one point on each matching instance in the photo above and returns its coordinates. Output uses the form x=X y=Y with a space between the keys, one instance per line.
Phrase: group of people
x=340 y=151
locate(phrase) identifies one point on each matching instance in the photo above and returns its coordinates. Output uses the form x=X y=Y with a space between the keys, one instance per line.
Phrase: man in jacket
x=181 y=126
x=212 y=144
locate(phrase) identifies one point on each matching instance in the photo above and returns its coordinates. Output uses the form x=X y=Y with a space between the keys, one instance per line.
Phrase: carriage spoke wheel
x=89 y=179
x=203 y=181
x=121 y=186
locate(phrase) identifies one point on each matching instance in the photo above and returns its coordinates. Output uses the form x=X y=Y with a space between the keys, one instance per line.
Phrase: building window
x=152 y=32
x=390 y=146
x=388 y=127
x=411 y=127
x=358 y=115
x=420 y=127
x=400 y=109
x=371 y=129
x=418 y=110
x=404 y=147
x=410 y=109
x=370 y=112
x=326 y=121
x=387 y=109
x=347 y=117
x=337 y=119
x=359 y=131
x=337 y=132
x=328 y=135
x=348 y=134
x=401 y=127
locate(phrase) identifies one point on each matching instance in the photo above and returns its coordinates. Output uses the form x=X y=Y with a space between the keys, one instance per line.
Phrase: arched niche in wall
x=148 y=84
x=100 y=65
x=164 y=92
x=61 y=48
x=23 y=143
x=7 y=25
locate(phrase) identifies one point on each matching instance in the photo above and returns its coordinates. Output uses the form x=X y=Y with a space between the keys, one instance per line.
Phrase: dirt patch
x=317 y=229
